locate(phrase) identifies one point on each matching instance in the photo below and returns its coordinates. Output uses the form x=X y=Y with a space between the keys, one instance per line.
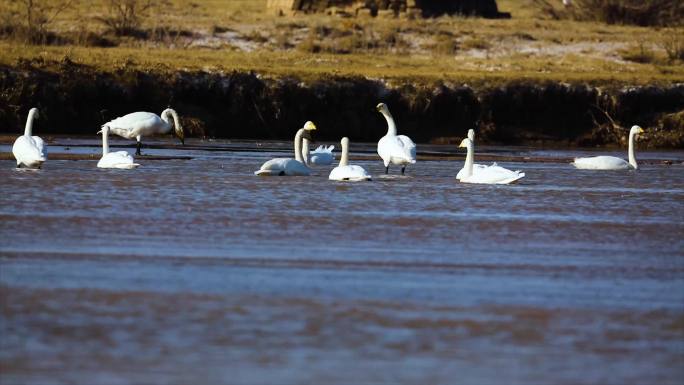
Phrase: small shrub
x=673 y=44
x=445 y=45
x=638 y=54
x=125 y=16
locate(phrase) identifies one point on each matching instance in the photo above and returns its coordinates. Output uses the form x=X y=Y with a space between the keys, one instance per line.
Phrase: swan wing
x=28 y=153
x=283 y=166
x=118 y=159
x=349 y=173
x=137 y=123
x=476 y=168
x=321 y=158
x=397 y=149
x=494 y=175
x=602 y=162
x=40 y=145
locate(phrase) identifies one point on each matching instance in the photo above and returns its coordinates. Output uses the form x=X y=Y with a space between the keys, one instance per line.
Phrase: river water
x=193 y=270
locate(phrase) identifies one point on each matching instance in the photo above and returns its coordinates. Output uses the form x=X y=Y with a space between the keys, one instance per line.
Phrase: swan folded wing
x=40 y=145
x=119 y=159
x=131 y=125
x=408 y=147
x=494 y=175
x=349 y=172
x=283 y=166
x=476 y=168
x=27 y=151
x=602 y=162
x=397 y=149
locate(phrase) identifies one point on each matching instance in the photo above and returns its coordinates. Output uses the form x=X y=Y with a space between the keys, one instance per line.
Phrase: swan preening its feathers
x=611 y=162
x=345 y=171
x=139 y=124
x=321 y=156
x=486 y=174
x=29 y=150
x=118 y=159
x=289 y=166
x=393 y=148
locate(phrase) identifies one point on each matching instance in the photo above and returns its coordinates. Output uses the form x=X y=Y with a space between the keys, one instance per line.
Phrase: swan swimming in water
x=289 y=166
x=393 y=148
x=139 y=124
x=489 y=174
x=29 y=150
x=118 y=159
x=321 y=156
x=345 y=171
x=476 y=167
x=604 y=162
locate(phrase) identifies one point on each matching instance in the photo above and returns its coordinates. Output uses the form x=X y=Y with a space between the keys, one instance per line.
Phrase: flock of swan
x=30 y=151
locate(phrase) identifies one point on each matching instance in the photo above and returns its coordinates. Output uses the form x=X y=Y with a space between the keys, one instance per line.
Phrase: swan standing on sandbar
x=321 y=156
x=476 y=167
x=28 y=150
x=139 y=124
x=604 y=162
x=289 y=166
x=119 y=159
x=345 y=171
x=393 y=148
x=489 y=174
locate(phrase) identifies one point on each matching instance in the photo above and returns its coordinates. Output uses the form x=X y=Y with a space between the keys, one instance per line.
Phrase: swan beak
x=464 y=143
x=307 y=135
x=99 y=132
x=380 y=107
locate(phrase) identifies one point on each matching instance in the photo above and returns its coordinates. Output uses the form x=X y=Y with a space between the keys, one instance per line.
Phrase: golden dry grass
x=241 y=35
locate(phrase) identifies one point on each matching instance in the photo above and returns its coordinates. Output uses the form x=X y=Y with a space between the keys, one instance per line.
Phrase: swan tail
x=263 y=172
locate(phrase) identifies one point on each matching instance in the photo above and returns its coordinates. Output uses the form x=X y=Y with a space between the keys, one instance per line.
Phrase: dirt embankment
x=76 y=99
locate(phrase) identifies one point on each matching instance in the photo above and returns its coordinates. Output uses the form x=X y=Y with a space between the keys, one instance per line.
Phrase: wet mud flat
x=196 y=271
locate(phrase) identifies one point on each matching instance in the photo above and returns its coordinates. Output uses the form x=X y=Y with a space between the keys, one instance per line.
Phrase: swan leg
x=137 y=148
x=402 y=170
x=386 y=170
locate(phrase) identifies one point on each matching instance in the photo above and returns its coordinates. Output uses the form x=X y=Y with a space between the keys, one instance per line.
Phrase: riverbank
x=75 y=98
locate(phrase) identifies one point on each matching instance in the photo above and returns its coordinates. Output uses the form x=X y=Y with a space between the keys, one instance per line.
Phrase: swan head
x=382 y=108
x=34 y=111
x=308 y=128
x=465 y=143
x=636 y=130
x=471 y=134
x=345 y=141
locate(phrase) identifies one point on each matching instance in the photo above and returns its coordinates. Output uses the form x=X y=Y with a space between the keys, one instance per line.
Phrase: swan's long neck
x=165 y=117
x=298 y=145
x=391 y=127
x=105 y=140
x=305 y=150
x=469 y=159
x=28 y=130
x=632 y=158
x=344 y=160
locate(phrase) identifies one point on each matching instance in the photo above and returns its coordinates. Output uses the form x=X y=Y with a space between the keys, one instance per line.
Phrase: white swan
x=393 y=148
x=321 y=156
x=345 y=171
x=489 y=174
x=476 y=167
x=611 y=162
x=139 y=124
x=28 y=150
x=289 y=166
x=119 y=159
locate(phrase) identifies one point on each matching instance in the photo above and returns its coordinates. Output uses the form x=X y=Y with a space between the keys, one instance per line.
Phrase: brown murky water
x=196 y=271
